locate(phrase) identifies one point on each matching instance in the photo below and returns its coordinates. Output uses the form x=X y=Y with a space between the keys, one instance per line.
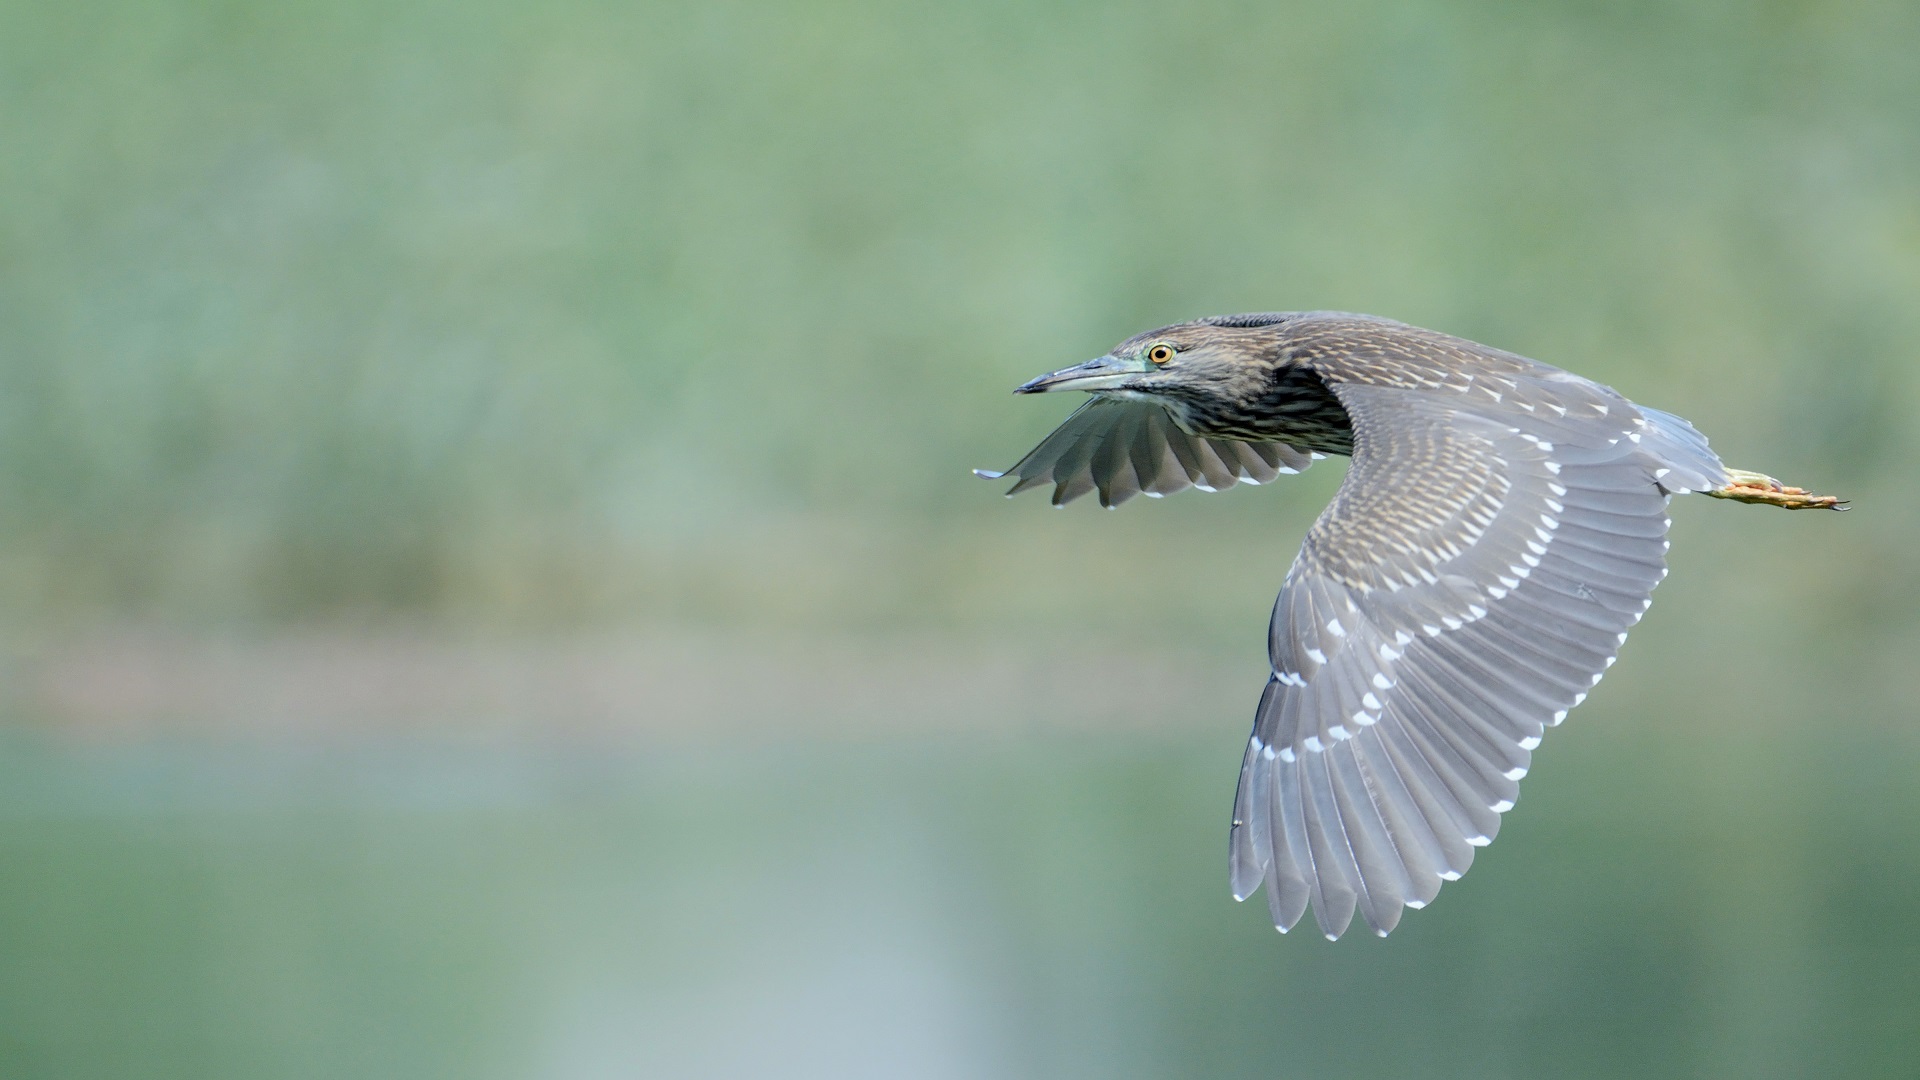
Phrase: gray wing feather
x=1469 y=584
x=1334 y=880
x=1406 y=823
x=1122 y=448
x=1446 y=825
x=1289 y=890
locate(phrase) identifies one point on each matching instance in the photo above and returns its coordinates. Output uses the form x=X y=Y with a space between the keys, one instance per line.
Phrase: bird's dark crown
x=1214 y=329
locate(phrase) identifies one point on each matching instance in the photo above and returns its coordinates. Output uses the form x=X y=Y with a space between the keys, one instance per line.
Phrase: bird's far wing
x=1123 y=448
x=1467 y=586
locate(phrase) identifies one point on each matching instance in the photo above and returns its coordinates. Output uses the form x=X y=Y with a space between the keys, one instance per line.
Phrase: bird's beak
x=1100 y=373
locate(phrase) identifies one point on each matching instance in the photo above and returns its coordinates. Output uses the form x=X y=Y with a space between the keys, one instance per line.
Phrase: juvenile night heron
x=1502 y=525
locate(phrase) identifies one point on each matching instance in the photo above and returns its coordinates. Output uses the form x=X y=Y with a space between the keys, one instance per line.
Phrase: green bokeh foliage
x=565 y=311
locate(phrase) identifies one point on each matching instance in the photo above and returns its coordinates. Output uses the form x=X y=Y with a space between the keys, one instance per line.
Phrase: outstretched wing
x=1467 y=586
x=1124 y=447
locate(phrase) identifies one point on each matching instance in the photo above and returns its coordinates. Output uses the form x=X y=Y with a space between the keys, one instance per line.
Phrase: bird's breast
x=1292 y=404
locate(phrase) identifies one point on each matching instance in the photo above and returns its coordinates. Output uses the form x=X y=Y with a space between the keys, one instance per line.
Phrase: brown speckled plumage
x=1503 y=524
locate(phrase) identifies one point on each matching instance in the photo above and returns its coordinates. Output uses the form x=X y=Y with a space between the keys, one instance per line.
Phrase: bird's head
x=1187 y=361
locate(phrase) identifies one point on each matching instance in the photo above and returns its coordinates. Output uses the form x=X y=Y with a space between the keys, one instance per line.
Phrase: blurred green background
x=490 y=584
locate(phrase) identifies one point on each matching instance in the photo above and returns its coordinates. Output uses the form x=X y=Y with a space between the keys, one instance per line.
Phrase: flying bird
x=1501 y=527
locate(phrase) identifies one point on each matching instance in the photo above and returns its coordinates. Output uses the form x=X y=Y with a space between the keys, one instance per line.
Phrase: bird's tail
x=1689 y=463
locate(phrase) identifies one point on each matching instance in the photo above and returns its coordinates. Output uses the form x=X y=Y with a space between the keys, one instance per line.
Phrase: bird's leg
x=1753 y=487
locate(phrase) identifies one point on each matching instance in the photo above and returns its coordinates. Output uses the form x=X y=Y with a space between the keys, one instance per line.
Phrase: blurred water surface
x=490 y=584
x=1054 y=907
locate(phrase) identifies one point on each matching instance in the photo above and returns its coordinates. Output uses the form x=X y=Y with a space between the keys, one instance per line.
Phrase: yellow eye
x=1160 y=353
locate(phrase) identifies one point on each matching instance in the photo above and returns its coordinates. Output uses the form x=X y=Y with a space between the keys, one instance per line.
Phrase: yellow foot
x=1753 y=487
